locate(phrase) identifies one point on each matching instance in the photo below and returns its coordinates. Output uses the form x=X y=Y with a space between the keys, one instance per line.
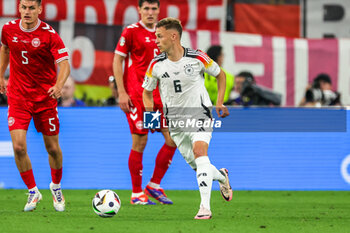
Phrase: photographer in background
x=246 y=92
x=320 y=93
x=3 y=97
x=113 y=99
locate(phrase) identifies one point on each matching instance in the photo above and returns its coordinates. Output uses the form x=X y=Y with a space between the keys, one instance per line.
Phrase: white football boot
x=34 y=197
x=57 y=196
x=225 y=187
x=203 y=213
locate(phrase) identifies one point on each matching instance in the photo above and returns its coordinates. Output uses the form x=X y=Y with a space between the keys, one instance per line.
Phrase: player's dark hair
x=170 y=23
x=149 y=1
x=38 y=1
x=214 y=52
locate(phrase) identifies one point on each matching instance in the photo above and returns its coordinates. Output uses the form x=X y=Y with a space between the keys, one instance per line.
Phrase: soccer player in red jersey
x=32 y=48
x=137 y=45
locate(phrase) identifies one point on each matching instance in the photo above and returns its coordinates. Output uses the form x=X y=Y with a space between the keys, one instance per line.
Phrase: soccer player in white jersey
x=178 y=72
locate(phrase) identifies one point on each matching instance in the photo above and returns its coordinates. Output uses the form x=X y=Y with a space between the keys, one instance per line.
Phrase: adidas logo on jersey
x=165 y=75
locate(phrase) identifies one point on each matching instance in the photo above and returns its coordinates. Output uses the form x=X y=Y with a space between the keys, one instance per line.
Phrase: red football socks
x=28 y=178
x=135 y=168
x=163 y=161
x=56 y=175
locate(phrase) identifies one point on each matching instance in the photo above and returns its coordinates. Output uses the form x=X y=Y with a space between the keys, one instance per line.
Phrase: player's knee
x=19 y=149
x=53 y=150
x=139 y=145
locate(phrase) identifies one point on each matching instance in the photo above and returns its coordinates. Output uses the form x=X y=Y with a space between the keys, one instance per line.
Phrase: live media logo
x=151 y=120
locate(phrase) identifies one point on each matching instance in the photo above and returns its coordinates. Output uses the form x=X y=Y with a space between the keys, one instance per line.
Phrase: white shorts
x=184 y=142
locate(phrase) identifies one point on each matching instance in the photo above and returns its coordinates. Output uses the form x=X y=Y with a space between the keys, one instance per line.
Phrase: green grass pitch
x=249 y=211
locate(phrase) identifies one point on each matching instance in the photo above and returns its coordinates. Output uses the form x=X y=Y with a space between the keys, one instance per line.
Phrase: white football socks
x=204 y=179
x=34 y=189
x=217 y=174
x=136 y=194
x=153 y=185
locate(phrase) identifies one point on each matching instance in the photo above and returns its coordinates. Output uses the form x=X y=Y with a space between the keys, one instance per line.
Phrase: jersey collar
x=29 y=30
x=144 y=26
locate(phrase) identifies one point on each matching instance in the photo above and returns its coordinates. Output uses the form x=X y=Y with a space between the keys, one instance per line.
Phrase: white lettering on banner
x=110 y=6
x=186 y=40
x=231 y=40
x=192 y=18
x=327 y=18
x=51 y=11
x=9 y=8
x=6 y=149
x=71 y=10
x=204 y=40
x=344 y=70
x=82 y=45
x=130 y=15
x=280 y=66
x=90 y=15
x=345 y=169
x=118 y=12
x=216 y=12
x=301 y=69
x=268 y=58
x=173 y=11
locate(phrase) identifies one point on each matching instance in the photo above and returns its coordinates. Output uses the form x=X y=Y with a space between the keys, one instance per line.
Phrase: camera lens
x=111 y=79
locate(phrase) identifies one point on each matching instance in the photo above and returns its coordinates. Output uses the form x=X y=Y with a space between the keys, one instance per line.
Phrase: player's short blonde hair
x=170 y=23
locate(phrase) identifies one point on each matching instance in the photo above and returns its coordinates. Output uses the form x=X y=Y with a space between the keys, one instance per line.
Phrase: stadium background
x=284 y=48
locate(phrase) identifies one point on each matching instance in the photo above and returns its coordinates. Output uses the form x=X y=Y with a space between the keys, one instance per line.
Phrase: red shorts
x=44 y=114
x=135 y=116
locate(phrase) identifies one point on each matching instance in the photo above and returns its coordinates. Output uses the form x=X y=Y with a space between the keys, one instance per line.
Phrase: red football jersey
x=137 y=42
x=33 y=54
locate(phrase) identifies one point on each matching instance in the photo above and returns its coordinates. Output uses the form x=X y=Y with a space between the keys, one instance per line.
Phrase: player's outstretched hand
x=222 y=111
x=125 y=102
x=55 y=92
x=2 y=86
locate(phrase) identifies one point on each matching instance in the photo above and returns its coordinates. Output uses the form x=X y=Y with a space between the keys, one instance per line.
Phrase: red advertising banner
x=205 y=15
x=267 y=19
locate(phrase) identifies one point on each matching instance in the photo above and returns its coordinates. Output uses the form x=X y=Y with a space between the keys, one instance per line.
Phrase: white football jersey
x=181 y=83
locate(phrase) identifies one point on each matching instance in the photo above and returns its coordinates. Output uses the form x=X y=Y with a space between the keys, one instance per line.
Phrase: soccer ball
x=106 y=203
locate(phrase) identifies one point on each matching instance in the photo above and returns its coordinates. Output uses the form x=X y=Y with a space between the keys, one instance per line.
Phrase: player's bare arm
x=64 y=71
x=147 y=97
x=124 y=99
x=4 y=61
x=221 y=109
